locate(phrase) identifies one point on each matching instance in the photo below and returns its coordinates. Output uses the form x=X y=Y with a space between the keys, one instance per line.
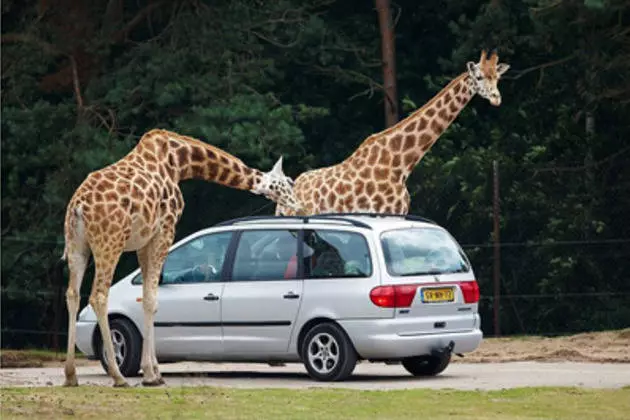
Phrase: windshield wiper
x=435 y=272
x=424 y=273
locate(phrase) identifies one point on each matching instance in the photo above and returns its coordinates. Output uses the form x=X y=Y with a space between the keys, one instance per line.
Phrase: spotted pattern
x=134 y=205
x=373 y=178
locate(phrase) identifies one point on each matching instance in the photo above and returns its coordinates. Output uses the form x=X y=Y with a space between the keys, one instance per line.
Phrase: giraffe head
x=485 y=75
x=277 y=187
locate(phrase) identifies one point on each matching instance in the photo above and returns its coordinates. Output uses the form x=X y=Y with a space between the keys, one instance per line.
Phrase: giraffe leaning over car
x=134 y=204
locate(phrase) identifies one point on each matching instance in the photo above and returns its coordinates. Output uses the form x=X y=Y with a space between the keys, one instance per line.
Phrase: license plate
x=438 y=294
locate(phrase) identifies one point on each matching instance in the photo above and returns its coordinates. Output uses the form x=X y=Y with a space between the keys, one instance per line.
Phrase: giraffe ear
x=502 y=68
x=472 y=67
x=277 y=168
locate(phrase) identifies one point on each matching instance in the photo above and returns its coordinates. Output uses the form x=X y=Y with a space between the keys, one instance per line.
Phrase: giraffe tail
x=72 y=228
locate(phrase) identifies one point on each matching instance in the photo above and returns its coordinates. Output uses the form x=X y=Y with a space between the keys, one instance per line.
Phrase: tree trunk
x=389 y=61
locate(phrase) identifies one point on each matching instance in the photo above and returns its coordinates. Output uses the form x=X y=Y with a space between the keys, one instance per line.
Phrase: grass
x=228 y=404
x=31 y=357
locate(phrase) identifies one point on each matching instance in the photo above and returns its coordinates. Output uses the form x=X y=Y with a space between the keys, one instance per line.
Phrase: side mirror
x=161 y=280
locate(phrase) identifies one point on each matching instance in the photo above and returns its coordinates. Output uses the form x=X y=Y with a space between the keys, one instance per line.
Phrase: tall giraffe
x=373 y=179
x=134 y=205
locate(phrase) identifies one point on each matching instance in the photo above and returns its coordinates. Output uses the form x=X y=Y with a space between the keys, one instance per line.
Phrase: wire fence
x=548 y=313
x=549 y=286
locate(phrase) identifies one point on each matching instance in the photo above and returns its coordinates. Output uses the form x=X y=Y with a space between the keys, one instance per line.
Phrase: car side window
x=335 y=254
x=197 y=261
x=266 y=255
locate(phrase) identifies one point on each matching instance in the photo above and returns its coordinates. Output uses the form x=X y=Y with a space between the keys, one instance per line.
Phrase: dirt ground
x=599 y=347
x=37 y=359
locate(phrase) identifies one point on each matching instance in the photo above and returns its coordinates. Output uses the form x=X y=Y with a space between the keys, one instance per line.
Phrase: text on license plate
x=441 y=294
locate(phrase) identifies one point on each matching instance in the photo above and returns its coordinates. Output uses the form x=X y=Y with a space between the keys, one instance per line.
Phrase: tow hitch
x=445 y=351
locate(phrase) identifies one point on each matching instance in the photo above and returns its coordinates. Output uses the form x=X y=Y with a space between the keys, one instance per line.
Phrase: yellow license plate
x=441 y=294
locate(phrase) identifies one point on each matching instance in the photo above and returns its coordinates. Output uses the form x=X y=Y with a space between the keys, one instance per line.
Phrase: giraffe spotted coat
x=134 y=204
x=373 y=179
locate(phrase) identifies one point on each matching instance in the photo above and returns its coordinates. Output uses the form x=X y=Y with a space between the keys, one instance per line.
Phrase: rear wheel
x=328 y=354
x=127 y=347
x=426 y=365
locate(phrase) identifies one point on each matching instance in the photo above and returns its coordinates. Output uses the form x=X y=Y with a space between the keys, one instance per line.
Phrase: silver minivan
x=326 y=291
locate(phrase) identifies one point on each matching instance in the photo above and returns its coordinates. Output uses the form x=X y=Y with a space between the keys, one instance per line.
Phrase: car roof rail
x=368 y=214
x=420 y=219
x=303 y=219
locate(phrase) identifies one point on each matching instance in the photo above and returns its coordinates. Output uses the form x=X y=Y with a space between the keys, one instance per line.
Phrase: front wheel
x=328 y=354
x=426 y=365
x=127 y=347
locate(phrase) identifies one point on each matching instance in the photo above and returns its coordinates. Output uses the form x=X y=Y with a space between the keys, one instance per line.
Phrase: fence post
x=497 y=249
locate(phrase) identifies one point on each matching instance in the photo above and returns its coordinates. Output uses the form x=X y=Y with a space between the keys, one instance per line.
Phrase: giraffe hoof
x=155 y=382
x=71 y=382
x=121 y=385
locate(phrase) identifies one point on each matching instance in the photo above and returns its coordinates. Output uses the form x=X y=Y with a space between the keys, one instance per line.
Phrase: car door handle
x=291 y=295
x=211 y=296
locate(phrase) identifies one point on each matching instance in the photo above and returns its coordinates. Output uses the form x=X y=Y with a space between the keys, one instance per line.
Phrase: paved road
x=366 y=376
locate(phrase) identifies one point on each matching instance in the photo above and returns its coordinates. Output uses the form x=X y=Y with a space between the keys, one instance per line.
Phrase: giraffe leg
x=149 y=306
x=98 y=299
x=151 y=259
x=77 y=262
x=156 y=368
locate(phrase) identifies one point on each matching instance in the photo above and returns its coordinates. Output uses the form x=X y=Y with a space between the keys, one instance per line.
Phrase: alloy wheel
x=323 y=353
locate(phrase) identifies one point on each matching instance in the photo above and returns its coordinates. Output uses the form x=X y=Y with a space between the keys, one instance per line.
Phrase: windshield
x=418 y=251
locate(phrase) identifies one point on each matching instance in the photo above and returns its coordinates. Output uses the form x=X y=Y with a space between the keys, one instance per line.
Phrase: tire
x=426 y=365
x=328 y=354
x=126 y=337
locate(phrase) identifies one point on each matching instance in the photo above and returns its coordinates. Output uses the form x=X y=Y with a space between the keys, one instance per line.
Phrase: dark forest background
x=83 y=80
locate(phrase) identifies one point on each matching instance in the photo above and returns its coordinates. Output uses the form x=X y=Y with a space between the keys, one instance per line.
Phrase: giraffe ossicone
x=276 y=183
x=134 y=204
x=485 y=75
x=373 y=178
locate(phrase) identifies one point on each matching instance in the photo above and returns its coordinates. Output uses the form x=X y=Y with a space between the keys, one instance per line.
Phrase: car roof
x=372 y=221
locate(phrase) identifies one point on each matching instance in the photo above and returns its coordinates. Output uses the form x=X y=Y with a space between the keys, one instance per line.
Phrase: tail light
x=383 y=296
x=470 y=290
x=401 y=296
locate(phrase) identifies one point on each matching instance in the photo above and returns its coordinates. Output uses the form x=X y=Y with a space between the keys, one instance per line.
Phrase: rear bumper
x=374 y=339
x=85 y=332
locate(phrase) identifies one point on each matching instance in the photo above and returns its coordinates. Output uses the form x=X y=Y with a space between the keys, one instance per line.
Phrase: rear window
x=420 y=251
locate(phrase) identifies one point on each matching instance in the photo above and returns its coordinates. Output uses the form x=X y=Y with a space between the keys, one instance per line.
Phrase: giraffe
x=373 y=178
x=134 y=205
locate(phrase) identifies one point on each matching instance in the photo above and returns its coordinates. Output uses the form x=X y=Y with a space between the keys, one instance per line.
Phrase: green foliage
x=301 y=79
x=559 y=181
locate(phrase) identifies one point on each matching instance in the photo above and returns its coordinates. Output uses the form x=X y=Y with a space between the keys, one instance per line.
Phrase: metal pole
x=497 y=249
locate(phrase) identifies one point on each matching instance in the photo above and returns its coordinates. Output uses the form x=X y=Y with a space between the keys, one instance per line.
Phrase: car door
x=188 y=318
x=261 y=301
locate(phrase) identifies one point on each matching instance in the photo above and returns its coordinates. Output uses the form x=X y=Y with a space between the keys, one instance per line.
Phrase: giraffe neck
x=405 y=143
x=184 y=158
